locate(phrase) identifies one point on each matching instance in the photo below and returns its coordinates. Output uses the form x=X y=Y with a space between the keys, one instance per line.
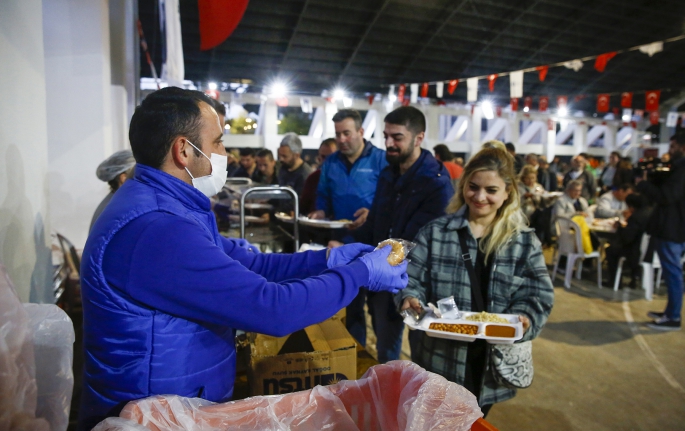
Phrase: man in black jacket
x=667 y=227
x=412 y=190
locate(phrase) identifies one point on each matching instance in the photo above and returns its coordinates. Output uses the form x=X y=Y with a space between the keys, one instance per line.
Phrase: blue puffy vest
x=130 y=359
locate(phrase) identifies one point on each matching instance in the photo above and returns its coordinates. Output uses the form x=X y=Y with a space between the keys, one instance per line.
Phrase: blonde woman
x=509 y=271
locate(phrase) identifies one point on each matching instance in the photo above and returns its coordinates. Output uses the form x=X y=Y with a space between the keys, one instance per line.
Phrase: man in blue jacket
x=346 y=187
x=413 y=190
x=163 y=291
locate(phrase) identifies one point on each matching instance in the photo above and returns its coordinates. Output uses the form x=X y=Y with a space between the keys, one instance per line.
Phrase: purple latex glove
x=347 y=253
x=382 y=275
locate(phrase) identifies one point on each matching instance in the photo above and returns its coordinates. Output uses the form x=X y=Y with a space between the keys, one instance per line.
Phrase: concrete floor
x=598 y=367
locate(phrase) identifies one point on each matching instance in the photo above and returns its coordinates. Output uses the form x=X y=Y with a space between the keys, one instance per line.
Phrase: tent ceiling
x=364 y=45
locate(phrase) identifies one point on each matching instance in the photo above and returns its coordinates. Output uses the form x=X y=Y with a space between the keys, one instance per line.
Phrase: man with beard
x=346 y=187
x=413 y=190
x=667 y=228
x=294 y=171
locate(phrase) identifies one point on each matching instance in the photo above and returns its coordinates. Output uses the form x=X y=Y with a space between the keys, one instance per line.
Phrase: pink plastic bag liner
x=398 y=395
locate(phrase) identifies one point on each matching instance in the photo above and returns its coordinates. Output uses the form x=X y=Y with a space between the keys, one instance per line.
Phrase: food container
x=493 y=333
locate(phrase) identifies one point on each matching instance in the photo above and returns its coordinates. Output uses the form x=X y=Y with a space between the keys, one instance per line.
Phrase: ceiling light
x=487 y=109
x=338 y=94
x=278 y=90
x=212 y=85
x=347 y=102
x=526 y=109
x=562 y=112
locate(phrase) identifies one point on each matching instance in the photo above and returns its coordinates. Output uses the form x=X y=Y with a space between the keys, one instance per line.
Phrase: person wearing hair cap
x=114 y=171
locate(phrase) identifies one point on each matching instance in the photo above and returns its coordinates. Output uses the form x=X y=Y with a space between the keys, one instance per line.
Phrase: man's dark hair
x=344 y=114
x=626 y=186
x=245 y=152
x=328 y=142
x=218 y=106
x=162 y=117
x=510 y=147
x=266 y=153
x=409 y=117
x=443 y=153
x=636 y=200
x=679 y=138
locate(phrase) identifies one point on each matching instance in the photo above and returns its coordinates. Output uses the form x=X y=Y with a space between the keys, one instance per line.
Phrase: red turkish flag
x=543 y=72
x=626 y=100
x=452 y=86
x=491 y=84
x=603 y=103
x=602 y=60
x=406 y=101
x=214 y=94
x=400 y=92
x=543 y=103
x=371 y=97
x=562 y=101
x=424 y=89
x=654 y=117
x=652 y=100
x=514 y=104
x=218 y=19
x=528 y=102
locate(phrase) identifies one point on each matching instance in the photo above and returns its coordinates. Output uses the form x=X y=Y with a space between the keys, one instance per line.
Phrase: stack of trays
x=468 y=330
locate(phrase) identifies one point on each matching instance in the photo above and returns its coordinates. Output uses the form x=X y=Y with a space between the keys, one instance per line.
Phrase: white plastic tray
x=424 y=324
x=328 y=224
x=284 y=217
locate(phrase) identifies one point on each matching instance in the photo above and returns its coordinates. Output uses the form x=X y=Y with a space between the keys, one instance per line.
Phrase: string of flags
x=516 y=83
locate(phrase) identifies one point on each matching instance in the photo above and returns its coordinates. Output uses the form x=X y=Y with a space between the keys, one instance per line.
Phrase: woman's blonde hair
x=528 y=170
x=509 y=219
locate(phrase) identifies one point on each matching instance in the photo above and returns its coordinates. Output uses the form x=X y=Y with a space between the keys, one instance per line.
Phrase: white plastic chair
x=570 y=245
x=648 y=268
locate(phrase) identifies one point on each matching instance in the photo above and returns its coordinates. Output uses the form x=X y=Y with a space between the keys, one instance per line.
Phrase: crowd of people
x=479 y=229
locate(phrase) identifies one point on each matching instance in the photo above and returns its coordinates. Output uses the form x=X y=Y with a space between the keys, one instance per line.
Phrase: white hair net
x=116 y=164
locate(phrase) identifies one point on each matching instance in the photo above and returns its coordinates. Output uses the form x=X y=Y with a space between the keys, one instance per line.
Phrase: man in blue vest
x=346 y=187
x=414 y=189
x=163 y=292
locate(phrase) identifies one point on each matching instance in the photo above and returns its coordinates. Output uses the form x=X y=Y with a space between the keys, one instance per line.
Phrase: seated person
x=571 y=202
x=628 y=238
x=613 y=203
x=114 y=170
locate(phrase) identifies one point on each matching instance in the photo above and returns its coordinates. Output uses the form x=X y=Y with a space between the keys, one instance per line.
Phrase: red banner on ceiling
x=400 y=92
x=603 y=103
x=543 y=103
x=424 y=89
x=626 y=100
x=514 y=104
x=562 y=101
x=218 y=20
x=491 y=82
x=370 y=97
x=543 y=72
x=652 y=100
x=602 y=60
x=452 y=85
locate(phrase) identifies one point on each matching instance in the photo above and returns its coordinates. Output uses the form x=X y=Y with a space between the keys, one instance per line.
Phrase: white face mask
x=211 y=184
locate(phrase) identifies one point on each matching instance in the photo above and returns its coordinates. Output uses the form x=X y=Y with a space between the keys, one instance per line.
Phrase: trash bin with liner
x=398 y=395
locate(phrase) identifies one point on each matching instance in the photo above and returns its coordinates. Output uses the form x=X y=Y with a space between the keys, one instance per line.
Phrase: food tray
x=258 y=206
x=284 y=217
x=329 y=224
x=424 y=325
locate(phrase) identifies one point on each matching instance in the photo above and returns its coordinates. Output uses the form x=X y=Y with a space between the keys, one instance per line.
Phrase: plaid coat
x=519 y=284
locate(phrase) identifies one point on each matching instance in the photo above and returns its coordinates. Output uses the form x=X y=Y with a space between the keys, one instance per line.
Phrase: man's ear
x=419 y=139
x=180 y=152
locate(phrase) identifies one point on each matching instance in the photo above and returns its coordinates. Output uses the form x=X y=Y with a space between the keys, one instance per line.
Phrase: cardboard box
x=320 y=354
